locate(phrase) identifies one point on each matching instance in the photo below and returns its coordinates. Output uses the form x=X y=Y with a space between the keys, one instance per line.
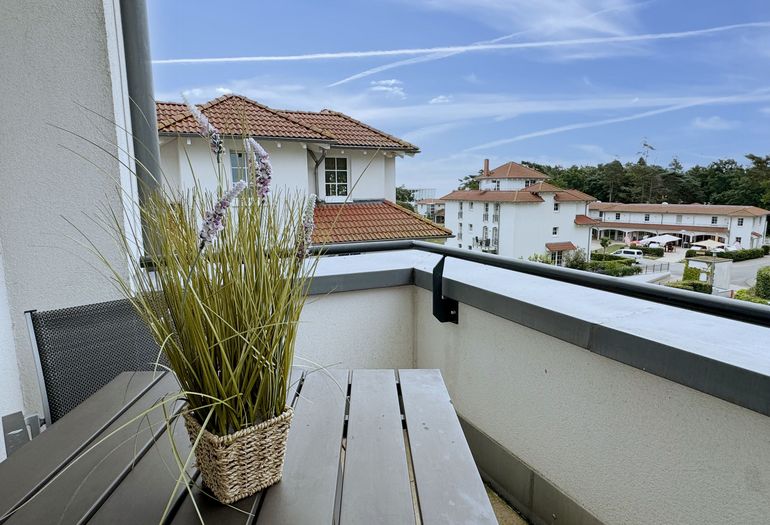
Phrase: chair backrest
x=78 y=350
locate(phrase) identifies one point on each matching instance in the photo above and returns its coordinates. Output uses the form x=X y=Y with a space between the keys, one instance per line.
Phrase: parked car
x=629 y=253
x=654 y=245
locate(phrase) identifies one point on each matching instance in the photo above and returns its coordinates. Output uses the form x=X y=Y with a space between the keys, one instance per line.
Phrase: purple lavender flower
x=308 y=226
x=213 y=220
x=259 y=163
x=207 y=129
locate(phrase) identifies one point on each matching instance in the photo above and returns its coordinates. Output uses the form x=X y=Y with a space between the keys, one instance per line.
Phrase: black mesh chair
x=78 y=350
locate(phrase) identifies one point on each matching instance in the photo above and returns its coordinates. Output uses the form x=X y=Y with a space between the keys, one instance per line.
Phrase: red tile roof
x=348 y=131
x=513 y=170
x=238 y=115
x=573 y=195
x=696 y=209
x=652 y=227
x=371 y=221
x=492 y=196
x=585 y=220
x=565 y=246
x=544 y=187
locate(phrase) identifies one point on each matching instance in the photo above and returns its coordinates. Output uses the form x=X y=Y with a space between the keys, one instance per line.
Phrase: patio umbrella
x=709 y=244
x=660 y=239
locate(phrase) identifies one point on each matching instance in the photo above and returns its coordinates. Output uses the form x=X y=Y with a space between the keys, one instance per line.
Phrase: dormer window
x=497 y=184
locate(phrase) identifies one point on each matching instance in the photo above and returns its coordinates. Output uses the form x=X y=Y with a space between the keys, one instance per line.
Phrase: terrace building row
x=740 y=226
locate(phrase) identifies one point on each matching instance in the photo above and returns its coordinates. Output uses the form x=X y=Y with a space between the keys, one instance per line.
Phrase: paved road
x=743 y=274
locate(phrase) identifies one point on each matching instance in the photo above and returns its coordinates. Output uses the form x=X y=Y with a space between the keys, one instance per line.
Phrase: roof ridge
x=417 y=215
x=211 y=103
x=370 y=128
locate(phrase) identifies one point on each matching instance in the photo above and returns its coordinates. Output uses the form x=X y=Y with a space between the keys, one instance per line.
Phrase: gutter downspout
x=136 y=45
x=317 y=162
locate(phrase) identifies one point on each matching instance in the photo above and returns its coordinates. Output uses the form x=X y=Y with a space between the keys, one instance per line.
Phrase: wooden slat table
x=365 y=446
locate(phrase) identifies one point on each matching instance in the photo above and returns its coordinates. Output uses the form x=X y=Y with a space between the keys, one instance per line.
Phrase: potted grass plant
x=227 y=280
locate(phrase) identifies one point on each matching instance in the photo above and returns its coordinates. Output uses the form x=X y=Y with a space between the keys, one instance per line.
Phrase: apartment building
x=516 y=213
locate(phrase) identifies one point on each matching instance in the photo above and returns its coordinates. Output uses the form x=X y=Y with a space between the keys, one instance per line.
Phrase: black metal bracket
x=444 y=308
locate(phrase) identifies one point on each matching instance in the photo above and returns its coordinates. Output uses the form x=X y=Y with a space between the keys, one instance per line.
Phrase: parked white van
x=629 y=253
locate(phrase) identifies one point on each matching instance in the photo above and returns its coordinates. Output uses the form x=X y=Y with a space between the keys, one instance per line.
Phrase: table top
x=365 y=446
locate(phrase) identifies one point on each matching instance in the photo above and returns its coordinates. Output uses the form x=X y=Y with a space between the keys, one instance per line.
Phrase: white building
x=517 y=214
x=432 y=209
x=734 y=225
x=340 y=159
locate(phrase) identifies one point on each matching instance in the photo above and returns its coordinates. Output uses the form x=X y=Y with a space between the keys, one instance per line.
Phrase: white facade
x=432 y=209
x=694 y=222
x=371 y=175
x=521 y=229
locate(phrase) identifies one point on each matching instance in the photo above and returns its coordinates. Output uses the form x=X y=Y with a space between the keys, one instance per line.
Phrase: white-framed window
x=679 y=219
x=470 y=227
x=494 y=235
x=738 y=240
x=646 y=217
x=556 y=206
x=740 y=222
x=601 y=214
x=461 y=206
x=555 y=231
x=238 y=166
x=486 y=207
x=529 y=182
x=714 y=219
x=460 y=226
x=336 y=176
x=485 y=233
x=497 y=184
x=460 y=245
x=557 y=258
x=617 y=216
x=470 y=206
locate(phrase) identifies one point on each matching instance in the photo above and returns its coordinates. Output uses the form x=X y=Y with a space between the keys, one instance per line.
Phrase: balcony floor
x=504 y=513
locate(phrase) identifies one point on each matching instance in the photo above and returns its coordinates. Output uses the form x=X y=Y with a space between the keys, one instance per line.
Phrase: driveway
x=742 y=274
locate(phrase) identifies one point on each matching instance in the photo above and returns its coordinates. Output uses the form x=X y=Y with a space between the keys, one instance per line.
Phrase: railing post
x=444 y=309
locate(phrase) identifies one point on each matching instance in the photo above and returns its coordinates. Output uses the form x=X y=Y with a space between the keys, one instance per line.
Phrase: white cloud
x=472 y=78
x=714 y=123
x=391 y=87
x=441 y=99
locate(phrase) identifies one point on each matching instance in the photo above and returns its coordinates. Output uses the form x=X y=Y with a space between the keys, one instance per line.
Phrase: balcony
x=585 y=398
x=485 y=217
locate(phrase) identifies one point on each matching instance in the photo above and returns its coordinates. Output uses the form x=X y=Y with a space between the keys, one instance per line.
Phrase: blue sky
x=552 y=81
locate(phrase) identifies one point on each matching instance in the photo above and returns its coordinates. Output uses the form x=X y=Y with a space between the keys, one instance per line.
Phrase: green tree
x=404 y=197
x=605 y=242
x=470 y=182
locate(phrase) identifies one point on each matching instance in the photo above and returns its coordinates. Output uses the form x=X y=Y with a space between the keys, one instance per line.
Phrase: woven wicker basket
x=243 y=463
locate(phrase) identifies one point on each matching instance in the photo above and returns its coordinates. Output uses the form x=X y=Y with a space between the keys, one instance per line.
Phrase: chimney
x=486 y=167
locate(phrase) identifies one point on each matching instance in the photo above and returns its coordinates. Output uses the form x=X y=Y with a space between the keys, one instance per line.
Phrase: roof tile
x=371 y=221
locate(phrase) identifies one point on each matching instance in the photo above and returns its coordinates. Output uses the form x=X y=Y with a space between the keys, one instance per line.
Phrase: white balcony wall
x=364 y=329
x=628 y=446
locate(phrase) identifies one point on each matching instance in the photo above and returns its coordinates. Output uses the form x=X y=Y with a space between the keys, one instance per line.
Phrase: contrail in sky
x=466 y=48
x=439 y=56
x=754 y=96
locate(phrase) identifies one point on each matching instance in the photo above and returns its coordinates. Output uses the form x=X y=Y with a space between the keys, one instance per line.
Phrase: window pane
x=342 y=163
x=342 y=176
x=329 y=163
x=331 y=190
x=342 y=189
x=330 y=177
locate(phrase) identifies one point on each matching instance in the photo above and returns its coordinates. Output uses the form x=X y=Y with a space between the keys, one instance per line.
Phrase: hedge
x=746 y=295
x=762 y=289
x=608 y=257
x=614 y=268
x=736 y=256
x=693 y=286
x=766 y=249
x=655 y=252
x=691 y=274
